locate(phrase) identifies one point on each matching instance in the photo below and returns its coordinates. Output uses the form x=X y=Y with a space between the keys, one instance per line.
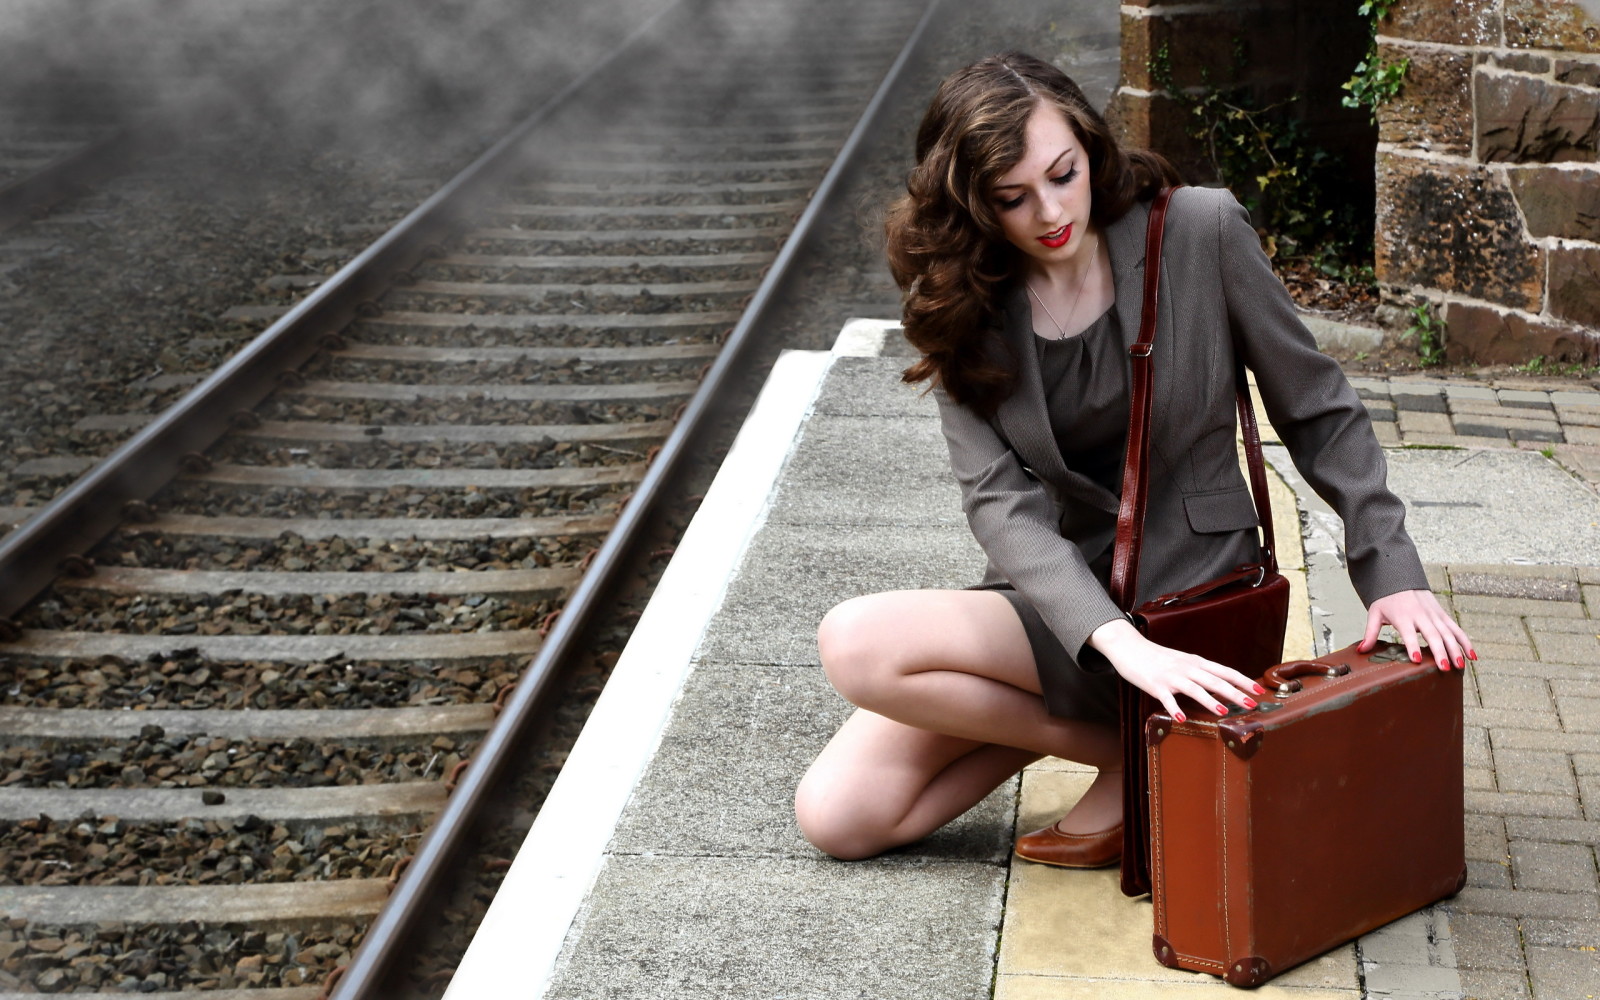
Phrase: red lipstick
x=1058 y=238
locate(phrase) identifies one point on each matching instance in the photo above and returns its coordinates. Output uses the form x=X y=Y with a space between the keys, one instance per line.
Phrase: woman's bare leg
x=951 y=708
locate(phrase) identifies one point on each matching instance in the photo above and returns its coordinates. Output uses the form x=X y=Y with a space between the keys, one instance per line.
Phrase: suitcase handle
x=1282 y=677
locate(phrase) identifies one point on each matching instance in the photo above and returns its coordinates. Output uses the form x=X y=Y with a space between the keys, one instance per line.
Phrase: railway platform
x=666 y=862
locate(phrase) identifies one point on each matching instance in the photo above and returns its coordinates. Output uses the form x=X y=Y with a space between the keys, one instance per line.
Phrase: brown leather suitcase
x=1331 y=809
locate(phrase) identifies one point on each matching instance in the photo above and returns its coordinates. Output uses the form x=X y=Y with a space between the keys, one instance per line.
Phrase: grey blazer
x=1044 y=525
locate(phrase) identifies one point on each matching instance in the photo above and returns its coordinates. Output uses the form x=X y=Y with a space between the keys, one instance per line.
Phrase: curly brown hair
x=946 y=248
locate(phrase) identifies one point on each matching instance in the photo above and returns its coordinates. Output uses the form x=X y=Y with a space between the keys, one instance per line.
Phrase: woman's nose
x=1049 y=207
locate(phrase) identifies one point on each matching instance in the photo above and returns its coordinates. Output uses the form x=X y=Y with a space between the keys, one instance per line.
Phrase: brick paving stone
x=1486 y=838
x=1546 y=739
x=1578 y=715
x=1586 y=763
x=1563 y=973
x=1536 y=588
x=1547 y=435
x=1530 y=694
x=1423 y=421
x=1510 y=804
x=1589 y=794
x=1583 y=460
x=1558 y=867
x=1513 y=570
x=1387 y=434
x=1563 y=623
x=1485 y=626
x=1475 y=747
x=1493 y=651
x=1533 y=668
x=1577 y=434
x=1569 y=607
x=1588 y=574
x=1591 y=596
x=1494 y=985
x=1575 y=687
x=1368 y=388
x=1527 y=903
x=1576 y=397
x=1534 y=399
x=1471 y=393
x=1512 y=718
x=1485 y=942
x=1552 y=830
x=1419 y=402
x=1557 y=933
x=1439 y=581
x=1479 y=779
x=1482 y=407
x=1534 y=771
x=1489 y=874
x=1565 y=647
x=1578 y=416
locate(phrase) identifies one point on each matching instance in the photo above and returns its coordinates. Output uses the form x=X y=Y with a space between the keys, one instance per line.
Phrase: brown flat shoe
x=1072 y=850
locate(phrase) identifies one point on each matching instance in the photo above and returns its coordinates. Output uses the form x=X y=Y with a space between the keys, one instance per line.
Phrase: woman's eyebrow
x=1050 y=169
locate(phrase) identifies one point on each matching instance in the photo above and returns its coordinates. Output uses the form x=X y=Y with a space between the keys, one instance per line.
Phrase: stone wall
x=1274 y=37
x=1487 y=176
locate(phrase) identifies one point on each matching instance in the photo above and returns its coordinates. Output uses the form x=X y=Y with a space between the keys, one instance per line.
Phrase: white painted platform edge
x=864 y=338
x=515 y=950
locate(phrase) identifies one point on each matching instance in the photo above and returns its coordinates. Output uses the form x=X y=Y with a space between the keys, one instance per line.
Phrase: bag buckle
x=1140 y=350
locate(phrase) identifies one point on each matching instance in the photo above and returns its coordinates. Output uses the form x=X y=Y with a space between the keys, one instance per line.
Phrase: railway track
x=228 y=724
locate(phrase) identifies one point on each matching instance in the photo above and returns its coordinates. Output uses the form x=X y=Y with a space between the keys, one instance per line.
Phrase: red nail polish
x=1416 y=657
x=1472 y=654
x=1179 y=717
x=1220 y=709
x=1258 y=689
x=1461 y=662
x=1248 y=703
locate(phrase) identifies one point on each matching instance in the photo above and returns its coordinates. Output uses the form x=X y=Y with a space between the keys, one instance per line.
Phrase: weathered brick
x=1453 y=22
x=1525 y=399
x=1558 y=867
x=1550 y=24
x=1532 y=738
x=1573 y=288
x=1552 y=830
x=1544 y=772
x=1589 y=794
x=1492 y=651
x=1579 y=715
x=1484 y=627
x=1484 y=942
x=1454 y=228
x=1485 y=984
x=1521 y=902
x=1489 y=874
x=1578 y=416
x=1430 y=400
x=1586 y=763
x=1486 y=838
x=1521 y=694
x=1523 y=62
x=1387 y=433
x=1563 y=972
x=1574 y=687
x=1487 y=335
x=1581 y=72
x=1560 y=933
x=1523 y=804
x=1566 y=647
x=1468 y=601
x=1422 y=422
x=1475 y=747
x=1433 y=110
x=1558 y=201
x=1539 y=588
x=1527 y=119
x=1480 y=779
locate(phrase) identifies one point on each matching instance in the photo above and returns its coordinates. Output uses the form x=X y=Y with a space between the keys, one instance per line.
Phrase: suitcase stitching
x=1227 y=928
x=1158 y=872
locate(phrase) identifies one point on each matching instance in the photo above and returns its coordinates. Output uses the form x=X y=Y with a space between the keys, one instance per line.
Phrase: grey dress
x=1085 y=379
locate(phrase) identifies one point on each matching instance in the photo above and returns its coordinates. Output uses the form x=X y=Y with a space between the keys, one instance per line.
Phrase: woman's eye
x=1009 y=204
x=1065 y=178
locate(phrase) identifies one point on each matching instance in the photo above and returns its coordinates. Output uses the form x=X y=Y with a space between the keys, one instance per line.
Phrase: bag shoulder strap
x=1136 y=465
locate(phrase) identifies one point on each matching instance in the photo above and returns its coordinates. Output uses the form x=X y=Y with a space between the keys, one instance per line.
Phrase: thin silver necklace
x=1061 y=331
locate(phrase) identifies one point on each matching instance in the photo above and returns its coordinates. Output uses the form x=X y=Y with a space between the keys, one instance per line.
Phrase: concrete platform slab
x=898 y=472
x=816 y=930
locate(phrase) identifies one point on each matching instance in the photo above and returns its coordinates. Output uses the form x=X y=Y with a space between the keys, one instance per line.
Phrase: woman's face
x=1043 y=202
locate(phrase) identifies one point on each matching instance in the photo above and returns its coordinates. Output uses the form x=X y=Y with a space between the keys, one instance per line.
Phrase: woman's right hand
x=1163 y=672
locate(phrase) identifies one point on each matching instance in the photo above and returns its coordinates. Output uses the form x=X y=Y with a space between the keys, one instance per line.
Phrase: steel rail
x=398 y=920
x=32 y=556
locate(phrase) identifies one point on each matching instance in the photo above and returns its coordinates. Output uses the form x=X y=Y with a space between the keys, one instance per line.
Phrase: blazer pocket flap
x=1224 y=510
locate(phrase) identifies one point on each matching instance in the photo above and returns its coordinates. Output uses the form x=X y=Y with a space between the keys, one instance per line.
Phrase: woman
x=1020 y=249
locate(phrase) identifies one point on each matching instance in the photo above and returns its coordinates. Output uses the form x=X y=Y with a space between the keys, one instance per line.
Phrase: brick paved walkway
x=1528 y=923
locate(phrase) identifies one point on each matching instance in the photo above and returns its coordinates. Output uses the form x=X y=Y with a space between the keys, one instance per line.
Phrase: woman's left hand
x=1416 y=613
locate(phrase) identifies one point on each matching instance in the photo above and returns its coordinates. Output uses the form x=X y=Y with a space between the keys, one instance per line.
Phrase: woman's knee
x=832 y=830
x=854 y=655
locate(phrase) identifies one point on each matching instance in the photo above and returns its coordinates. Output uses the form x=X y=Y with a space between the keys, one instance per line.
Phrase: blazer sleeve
x=1015 y=521
x=1317 y=413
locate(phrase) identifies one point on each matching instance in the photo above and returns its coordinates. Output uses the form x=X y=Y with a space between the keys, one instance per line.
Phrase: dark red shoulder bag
x=1237 y=619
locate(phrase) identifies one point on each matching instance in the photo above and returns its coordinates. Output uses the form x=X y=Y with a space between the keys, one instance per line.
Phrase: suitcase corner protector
x=1248 y=971
x=1163 y=951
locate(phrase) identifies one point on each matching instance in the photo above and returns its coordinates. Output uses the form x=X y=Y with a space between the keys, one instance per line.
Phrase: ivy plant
x=1375 y=82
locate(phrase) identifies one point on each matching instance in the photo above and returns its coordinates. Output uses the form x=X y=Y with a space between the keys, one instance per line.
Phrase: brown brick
x=1558 y=867
x=1156 y=122
x=1534 y=771
x=1487 y=335
x=1200 y=46
x=1453 y=22
x=1526 y=119
x=1484 y=942
x=1434 y=108
x=1558 y=201
x=1454 y=228
x=1580 y=72
x=1550 y=24
x=1574 y=285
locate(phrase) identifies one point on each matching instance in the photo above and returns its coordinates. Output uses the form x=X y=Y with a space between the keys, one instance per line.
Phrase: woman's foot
x=1050 y=846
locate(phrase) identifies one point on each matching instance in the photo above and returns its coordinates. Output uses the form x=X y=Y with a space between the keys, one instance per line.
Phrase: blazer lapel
x=1025 y=419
